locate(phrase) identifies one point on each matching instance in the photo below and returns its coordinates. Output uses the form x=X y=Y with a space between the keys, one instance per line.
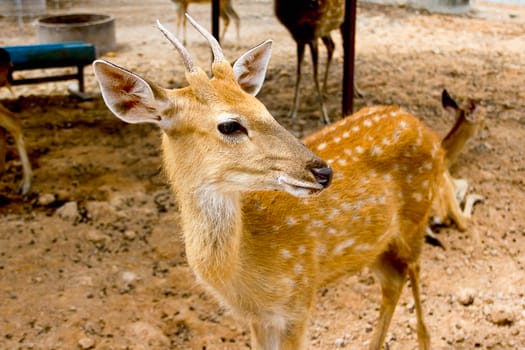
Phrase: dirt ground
x=92 y=258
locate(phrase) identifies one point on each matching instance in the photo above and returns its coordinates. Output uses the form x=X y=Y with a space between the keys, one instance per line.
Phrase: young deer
x=10 y=122
x=254 y=234
x=447 y=203
x=227 y=12
x=307 y=21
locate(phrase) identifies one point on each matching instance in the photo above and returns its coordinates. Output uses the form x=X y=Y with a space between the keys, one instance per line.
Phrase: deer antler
x=186 y=57
x=218 y=55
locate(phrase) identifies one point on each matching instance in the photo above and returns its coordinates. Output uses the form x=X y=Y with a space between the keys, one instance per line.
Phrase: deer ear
x=250 y=68
x=130 y=97
x=448 y=103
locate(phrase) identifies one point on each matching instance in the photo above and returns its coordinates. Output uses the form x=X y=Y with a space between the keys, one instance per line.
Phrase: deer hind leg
x=392 y=274
x=460 y=190
x=230 y=11
x=277 y=333
x=330 y=47
x=314 y=50
x=295 y=102
x=226 y=19
x=423 y=336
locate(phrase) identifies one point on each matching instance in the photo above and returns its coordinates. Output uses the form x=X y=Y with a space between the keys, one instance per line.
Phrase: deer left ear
x=250 y=68
x=130 y=97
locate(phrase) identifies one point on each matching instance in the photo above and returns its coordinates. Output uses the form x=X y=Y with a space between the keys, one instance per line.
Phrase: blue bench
x=53 y=55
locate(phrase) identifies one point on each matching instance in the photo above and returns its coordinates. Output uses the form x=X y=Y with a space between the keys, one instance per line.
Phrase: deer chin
x=298 y=188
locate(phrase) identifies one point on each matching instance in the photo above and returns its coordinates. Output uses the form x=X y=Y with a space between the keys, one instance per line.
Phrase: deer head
x=216 y=133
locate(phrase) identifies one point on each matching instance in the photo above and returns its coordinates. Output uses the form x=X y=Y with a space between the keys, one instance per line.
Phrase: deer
x=227 y=12
x=308 y=21
x=447 y=205
x=266 y=221
x=11 y=123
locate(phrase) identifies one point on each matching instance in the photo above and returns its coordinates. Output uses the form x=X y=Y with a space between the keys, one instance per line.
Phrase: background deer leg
x=2 y=151
x=10 y=123
x=314 y=50
x=295 y=105
x=330 y=46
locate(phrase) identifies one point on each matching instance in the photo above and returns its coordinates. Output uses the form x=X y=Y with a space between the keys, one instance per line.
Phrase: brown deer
x=10 y=122
x=308 y=21
x=227 y=12
x=264 y=225
x=447 y=204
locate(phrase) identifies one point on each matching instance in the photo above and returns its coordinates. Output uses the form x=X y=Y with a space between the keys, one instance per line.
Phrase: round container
x=95 y=29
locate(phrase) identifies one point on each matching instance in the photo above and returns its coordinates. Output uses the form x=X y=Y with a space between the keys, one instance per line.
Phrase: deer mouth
x=299 y=188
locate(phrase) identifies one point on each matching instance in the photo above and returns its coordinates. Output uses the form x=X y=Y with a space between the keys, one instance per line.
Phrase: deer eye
x=231 y=128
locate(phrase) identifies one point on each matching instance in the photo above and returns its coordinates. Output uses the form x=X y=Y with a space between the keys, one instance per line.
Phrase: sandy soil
x=92 y=257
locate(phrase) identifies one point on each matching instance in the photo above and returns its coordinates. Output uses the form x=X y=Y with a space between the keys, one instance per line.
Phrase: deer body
x=254 y=234
x=226 y=12
x=308 y=21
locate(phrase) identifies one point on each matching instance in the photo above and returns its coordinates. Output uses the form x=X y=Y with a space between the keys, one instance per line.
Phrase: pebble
x=340 y=343
x=86 y=343
x=46 y=199
x=501 y=315
x=466 y=296
x=68 y=212
x=130 y=235
x=96 y=236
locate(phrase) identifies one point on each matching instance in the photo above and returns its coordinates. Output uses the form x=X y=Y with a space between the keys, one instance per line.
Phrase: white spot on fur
x=334 y=214
x=291 y=221
x=424 y=184
x=285 y=253
x=342 y=162
x=320 y=249
x=331 y=231
x=346 y=135
x=337 y=139
x=301 y=250
x=343 y=245
x=367 y=123
x=355 y=128
x=376 y=150
x=359 y=149
x=417 y=196
x=363 y=247
x=298 y=269
x=403 y=124
x=387 y=177
x=347 y=151
x=321 y=146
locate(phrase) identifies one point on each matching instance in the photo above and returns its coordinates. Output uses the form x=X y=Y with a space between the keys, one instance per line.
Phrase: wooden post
x=349 y=56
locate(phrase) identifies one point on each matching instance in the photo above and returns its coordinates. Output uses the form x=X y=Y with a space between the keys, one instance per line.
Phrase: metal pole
x=349 y=56
x=215 y=10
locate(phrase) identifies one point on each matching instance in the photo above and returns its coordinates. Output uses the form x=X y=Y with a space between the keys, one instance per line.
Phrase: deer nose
x=323 y=176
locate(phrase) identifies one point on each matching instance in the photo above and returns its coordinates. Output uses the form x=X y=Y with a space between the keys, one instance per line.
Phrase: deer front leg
x=277 y=333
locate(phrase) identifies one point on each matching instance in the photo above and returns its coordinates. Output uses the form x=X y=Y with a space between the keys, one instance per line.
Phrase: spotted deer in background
x=10 y=122
x=264 y=220
x=308 y=21
x=226 y=12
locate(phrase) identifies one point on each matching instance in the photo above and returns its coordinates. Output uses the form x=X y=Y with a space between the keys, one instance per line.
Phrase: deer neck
x=212 y=230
